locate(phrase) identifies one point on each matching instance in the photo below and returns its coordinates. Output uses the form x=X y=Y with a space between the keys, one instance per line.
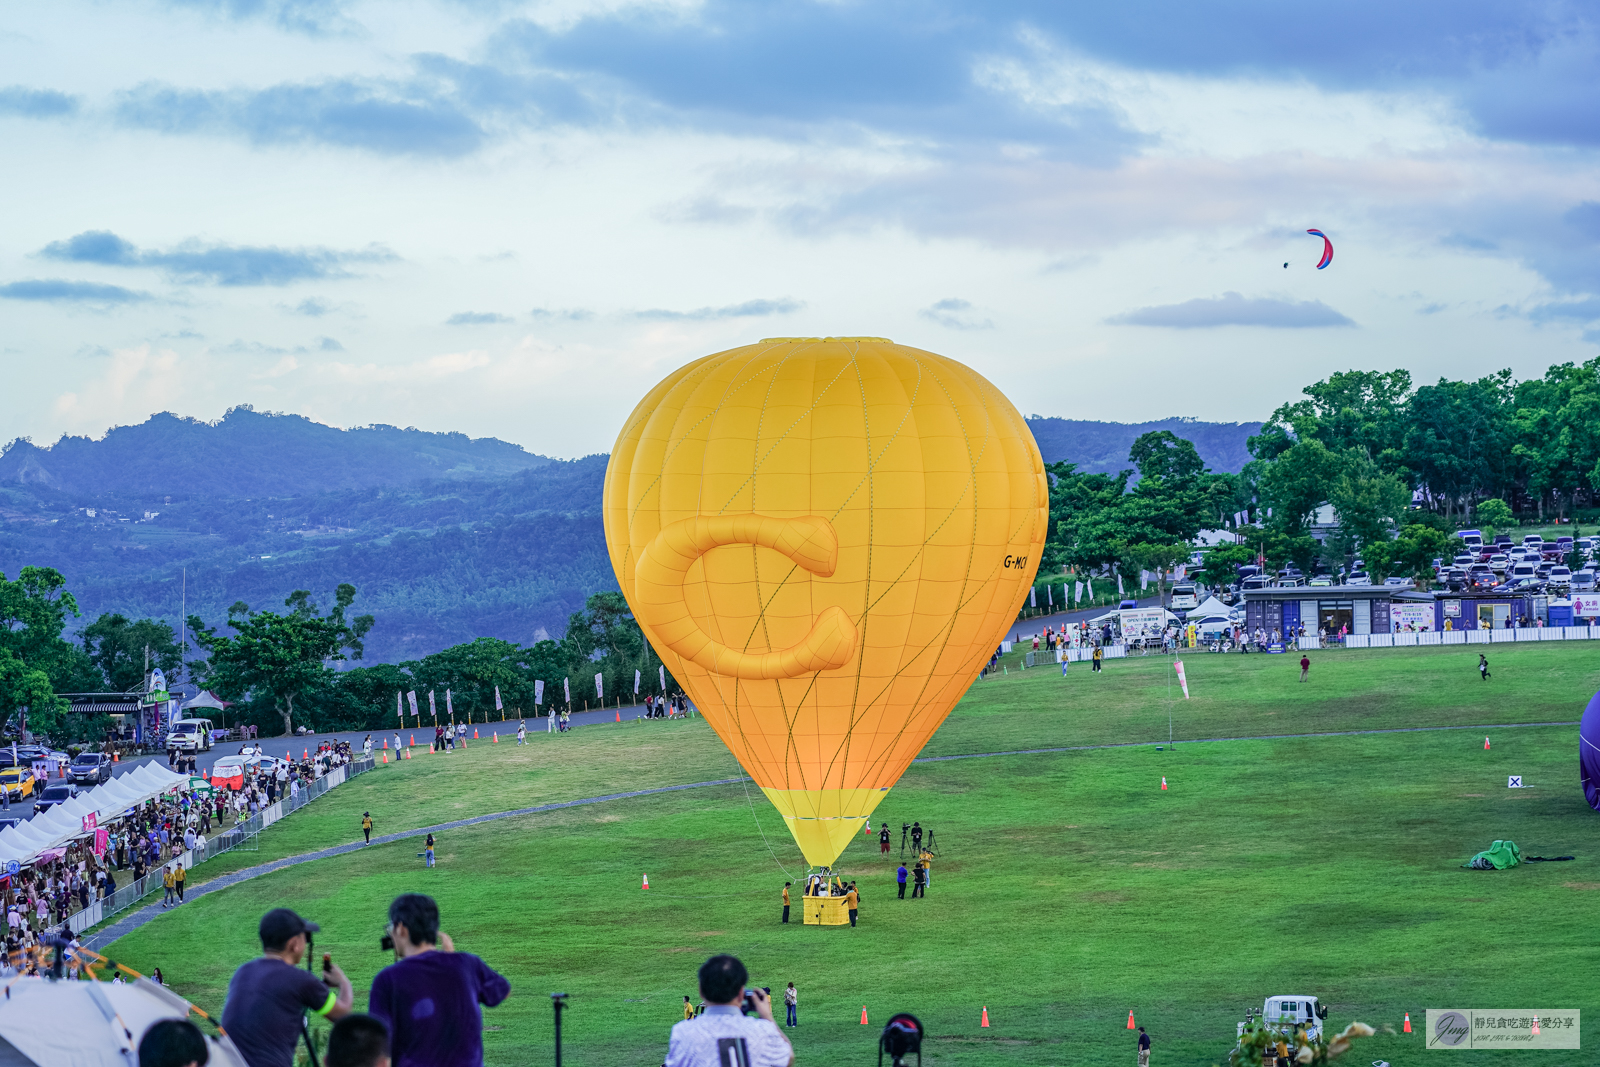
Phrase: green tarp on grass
x=1500 y=855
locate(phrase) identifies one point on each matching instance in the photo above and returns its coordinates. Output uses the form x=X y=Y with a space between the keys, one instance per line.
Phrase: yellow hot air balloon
x=825 y=539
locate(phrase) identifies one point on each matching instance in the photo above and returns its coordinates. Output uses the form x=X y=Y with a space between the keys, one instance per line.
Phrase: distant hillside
x=438 y=562
x=1102 y=447
x=253 y=454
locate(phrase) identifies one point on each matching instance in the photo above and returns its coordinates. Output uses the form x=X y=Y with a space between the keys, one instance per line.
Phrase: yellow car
x=17 y=782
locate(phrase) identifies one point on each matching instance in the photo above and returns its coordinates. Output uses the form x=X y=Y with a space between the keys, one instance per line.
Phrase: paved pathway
x=137 y=918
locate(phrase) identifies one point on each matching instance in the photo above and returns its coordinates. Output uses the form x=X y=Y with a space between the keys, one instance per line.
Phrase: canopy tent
x=64 y=822
x=1212 y=617
x=45 y=1023
x=1115 y=615
x=207 y=700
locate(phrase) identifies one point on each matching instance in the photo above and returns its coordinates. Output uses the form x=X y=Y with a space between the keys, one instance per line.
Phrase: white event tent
x=64 y=822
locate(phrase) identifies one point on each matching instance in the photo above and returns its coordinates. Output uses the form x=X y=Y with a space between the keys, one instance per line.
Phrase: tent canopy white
x=206 y=701
x=45 y=1023
x=1211 y=609
x=64 y=822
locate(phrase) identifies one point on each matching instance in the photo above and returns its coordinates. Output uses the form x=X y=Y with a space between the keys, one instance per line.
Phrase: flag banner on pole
x=1183 y=570
x=1090 y=584
x=566 y=689
x=412 y=697
x=661 y=672
x=599 y=687
x=1119 y=584
x=635 y=683
x=1077 y=592
x=497 y=705
x=1184 y=682
x=433 y=709
x=1144 y=580
x=1033 y=597
x=1050 y=601
x=449 y=708
x=538 y=693
x=1065 y=600
x=400 y=705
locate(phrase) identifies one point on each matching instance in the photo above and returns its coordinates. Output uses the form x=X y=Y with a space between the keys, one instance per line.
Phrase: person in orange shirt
x=786 y=901
x=852 y=901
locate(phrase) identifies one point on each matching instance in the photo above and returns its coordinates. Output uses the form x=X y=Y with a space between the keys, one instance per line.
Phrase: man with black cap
x=269 y=996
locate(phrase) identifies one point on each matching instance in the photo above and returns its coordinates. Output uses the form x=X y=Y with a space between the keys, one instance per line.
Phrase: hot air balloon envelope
x=825 y=539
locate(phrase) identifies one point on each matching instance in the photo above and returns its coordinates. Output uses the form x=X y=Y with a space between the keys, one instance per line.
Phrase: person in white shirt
x=723 y=1034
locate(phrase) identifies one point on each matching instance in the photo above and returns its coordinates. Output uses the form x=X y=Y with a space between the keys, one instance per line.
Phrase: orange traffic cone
x=866 y=831
x=1408 y=1022
x=1535 y=1026
x=114 y=758
x=385 y=742
x=863 y=1015
x=1130 y=1021
x=1486 y=744
x=497 y=737
x=646 y=882
x=474 y=733
x=413 y=740
x=1163 y=783
x=985 y=1016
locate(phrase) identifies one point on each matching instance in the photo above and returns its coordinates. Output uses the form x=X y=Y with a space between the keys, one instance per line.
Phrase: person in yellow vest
x=852 y=901
x=167 y=882
x=786 y=901
x=366 y=826
x=688 y=1008
x=1097 y=654
x=178 y=877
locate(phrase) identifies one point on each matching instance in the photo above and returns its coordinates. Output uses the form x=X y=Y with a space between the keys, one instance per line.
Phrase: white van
x=190 y=735
x=1184 y=598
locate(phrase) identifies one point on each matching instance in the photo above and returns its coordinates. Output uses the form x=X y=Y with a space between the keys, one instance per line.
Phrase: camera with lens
x=748 y=1007
x=387 y=943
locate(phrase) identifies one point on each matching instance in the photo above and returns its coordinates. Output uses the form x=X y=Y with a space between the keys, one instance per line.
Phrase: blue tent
x=1589 y=752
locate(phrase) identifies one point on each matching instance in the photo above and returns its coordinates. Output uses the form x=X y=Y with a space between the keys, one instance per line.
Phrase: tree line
x=1402 y=467
x=282 y=668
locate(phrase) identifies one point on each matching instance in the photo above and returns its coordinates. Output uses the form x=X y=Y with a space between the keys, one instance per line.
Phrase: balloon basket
x=823 y=910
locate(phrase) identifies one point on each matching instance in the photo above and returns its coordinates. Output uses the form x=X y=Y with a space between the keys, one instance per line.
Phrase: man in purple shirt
x=430 y=996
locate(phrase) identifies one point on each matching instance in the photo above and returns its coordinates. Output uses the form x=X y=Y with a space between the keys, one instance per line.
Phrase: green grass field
x=1070 y=888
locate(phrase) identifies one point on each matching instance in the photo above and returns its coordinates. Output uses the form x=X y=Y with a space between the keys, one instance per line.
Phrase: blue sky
x=510 y=219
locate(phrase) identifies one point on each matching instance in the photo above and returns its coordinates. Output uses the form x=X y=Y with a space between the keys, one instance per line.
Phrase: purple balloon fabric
x=1589 y=752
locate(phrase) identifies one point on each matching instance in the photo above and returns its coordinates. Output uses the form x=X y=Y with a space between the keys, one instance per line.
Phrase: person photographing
x=269 y=996
x=725 y=1034
x=430 y=997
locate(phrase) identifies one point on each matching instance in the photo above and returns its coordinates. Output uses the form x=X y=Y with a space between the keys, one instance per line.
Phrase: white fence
x=236 y=835
x=1473 y=637
x=1072 y=655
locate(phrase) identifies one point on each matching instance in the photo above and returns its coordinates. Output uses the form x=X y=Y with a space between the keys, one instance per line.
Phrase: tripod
x=905 y=828
x=558 y=1001
x=928 y=841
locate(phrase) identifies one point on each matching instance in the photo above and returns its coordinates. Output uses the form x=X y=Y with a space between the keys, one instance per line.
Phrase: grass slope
x=1071 y=888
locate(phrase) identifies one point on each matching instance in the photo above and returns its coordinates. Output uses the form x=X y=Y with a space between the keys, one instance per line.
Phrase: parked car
x=1359 y=578
x=1522 y=586
x=1466 y=559
x=1397 y=581
x=1559 y=575
x=1523 y=569
x=190 y=735
x=1256 y=581
x=90 y=769
x=52 y=795
x=1321 y=582
x=1499 y=562
x=1584 y=579
x=17 y=782
x=1471 y=538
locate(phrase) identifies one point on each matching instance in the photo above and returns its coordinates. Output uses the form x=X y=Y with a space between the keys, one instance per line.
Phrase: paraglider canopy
x=1327 y=248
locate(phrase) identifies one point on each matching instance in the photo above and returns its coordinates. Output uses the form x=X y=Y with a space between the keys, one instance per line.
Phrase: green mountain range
x=446 y=537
